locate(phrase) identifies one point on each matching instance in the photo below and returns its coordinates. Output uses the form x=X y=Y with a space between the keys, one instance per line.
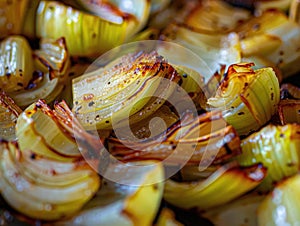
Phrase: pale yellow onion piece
x=238 y=212
x=225 y=184
x=52 y=173
x=216 y=15
x=277 y=26
x=281 y=205
x=261 y=24
x=53 y=57
x=114 y=93
x=12 y=16
x=36 y=199
x=118 y=11
x=16 y=66
x=9 y=113
x=85 y=34
x=250 y=47
x=31 y=141
x=51 y=62
x=209 y=46
x=277 y=148
x=117 y=204
x=247 y=97
x=48 y=89
x=47 y=172
x=286 y=57
x=47 y=125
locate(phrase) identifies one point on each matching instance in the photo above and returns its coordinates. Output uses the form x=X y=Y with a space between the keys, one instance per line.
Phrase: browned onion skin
x=211 y=144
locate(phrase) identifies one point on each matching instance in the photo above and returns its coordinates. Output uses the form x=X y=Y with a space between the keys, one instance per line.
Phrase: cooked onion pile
x=201 y=122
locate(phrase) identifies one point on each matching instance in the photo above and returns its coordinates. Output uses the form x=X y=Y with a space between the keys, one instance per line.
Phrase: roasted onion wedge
x=47 y=189
x=32 y=141
x=214 y=48
x=133 y=12
x=45 y=77
x=247 y=97
x=281 y=205
x=274 y=36
x=277 y=148
x=227 y=183
x=53 y=56
x=44 y=88
x=39 y=123
x=97 y=33
x=9 y=113
x=121 y=89
x=207 y=139
x=55 y=134
x=16 y=65
x=134 y=203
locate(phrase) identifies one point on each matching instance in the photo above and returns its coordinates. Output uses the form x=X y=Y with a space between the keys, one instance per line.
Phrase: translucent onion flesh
x=221 y=187
x=47 y=77
x=274 y=36
x=53 y=193
x=116 y=204
x=16 y=65
x=277 y=148
x=86 y=34
x=281 y=204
